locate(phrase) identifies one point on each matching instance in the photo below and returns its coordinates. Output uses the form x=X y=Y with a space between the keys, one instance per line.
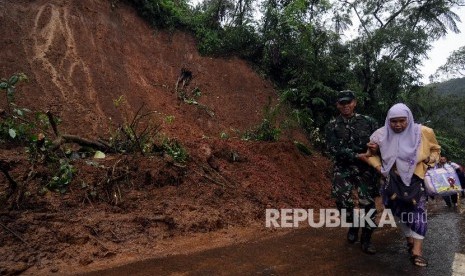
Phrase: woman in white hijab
x=401 y=151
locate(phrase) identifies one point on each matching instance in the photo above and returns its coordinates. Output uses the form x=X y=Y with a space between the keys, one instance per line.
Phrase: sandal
x=410 y=247
x=419 y=260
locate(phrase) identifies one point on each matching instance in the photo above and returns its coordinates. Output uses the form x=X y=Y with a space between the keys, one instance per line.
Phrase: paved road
x=323 y=252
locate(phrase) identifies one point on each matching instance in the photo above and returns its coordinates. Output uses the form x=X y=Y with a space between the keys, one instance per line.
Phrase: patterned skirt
x=413 y=216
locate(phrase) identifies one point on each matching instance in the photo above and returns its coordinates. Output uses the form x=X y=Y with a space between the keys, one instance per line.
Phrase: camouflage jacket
x=347 y=137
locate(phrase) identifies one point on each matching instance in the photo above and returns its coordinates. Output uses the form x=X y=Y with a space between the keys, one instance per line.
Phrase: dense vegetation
x=450 y=87
x=303 y=46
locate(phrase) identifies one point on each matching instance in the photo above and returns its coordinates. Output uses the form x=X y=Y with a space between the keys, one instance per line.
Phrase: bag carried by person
x=395 y=189
x=442 y=181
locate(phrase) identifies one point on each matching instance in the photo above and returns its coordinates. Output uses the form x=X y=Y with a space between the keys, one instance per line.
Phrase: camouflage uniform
x=345 y=138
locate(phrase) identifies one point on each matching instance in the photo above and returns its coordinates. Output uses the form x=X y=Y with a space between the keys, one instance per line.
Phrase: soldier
x=346 y=139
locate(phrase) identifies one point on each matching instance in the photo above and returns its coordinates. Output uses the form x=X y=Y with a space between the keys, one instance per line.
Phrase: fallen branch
x=223 y=182
x=65 y=138
x=4 y=168
x=214 y=172
x=211 y=179
x=14 y=233
x=52 y=123
x=132 y=136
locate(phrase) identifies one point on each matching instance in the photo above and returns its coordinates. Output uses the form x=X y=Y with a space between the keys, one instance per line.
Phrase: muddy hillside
x=96 y=68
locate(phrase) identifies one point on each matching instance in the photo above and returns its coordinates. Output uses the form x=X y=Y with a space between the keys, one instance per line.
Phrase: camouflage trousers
x=350 y=179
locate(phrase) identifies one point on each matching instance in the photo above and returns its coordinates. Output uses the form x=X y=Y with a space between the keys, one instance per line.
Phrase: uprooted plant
x=48 y=148
x=173 y=148
x=22 y=127
x=14 y=127
x=267 y=129
x=136 y=135
x=142 y=134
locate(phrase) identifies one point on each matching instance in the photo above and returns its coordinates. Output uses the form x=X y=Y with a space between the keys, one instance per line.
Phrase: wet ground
x=318 y=251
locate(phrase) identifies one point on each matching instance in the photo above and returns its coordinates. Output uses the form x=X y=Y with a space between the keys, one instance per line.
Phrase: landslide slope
x=81 y=57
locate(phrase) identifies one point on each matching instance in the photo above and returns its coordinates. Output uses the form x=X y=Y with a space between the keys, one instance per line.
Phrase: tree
x=302 y=55
x=225 y=28
x=394 y=36
x=453 y=68
x=443 y=113
x=163 y=13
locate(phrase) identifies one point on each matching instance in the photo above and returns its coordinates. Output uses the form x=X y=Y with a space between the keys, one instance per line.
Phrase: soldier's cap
x=345 y=96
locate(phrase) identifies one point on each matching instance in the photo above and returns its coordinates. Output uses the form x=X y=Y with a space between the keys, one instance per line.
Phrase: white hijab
x=399 y=148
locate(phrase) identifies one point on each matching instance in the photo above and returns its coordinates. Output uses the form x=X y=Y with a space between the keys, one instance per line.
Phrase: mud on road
x=323 y=251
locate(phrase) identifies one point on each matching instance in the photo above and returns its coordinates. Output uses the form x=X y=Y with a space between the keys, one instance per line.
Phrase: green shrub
x=63 y=178
x=266 y=131
x=174 y=149
x=163 y=13
x=450 y=147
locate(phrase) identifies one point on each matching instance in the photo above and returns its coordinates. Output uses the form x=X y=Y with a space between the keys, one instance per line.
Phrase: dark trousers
x=452 y=199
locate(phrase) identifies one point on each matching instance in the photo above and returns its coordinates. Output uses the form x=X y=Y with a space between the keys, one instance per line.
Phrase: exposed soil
x=80 y=57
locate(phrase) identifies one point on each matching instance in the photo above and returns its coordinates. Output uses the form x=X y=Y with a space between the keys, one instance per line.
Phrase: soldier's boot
x=365 y=241
x=352 y=234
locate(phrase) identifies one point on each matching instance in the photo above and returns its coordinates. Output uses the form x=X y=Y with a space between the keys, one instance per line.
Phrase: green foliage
x=173 y=148
x=37 y=149
x=391 y=44
x=142 y=134
x=17 y=124
x=266 y=131
x=444 y=114
x=127 y=140
x=63 y=178
x=309 y=113
x=451 y=147
x=210 y=42
x=121 y=100
x=224 y=135
x=240 y=41
x=193 y=100
x=298 y=45
x=20 y=125
x=136 y=135
x=454 y=66
x=163 y=13
x=225 y=28
x=303 y=148
x=15 y=128
x=450 y=87
x=169 y=119
x=9 y=85
x=196 y=93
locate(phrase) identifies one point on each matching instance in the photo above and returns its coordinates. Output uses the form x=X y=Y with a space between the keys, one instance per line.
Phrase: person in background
x=347 y=136
x=444 y=163
x=461 y=174
x=402 y=151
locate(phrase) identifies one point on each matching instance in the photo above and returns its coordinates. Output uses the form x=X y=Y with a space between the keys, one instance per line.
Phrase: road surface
x=323 y=251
